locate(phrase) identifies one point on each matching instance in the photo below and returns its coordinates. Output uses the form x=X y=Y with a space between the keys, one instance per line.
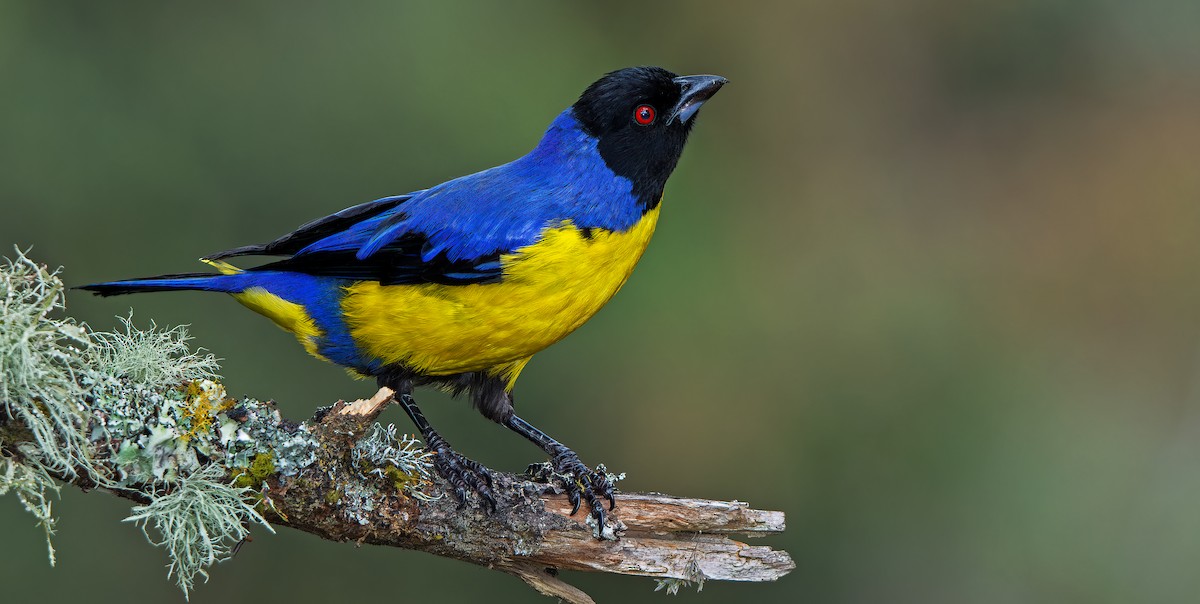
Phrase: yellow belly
x=549 y=289
x=288 y=315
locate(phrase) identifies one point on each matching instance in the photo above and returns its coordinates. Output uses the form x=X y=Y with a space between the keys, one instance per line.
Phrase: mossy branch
x=138 y=414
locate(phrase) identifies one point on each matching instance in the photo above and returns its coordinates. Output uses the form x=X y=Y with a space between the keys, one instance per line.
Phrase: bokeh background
x=927 y=279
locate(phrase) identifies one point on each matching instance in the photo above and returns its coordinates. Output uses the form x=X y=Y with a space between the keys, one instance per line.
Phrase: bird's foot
x=580 y=482
x=462 y=473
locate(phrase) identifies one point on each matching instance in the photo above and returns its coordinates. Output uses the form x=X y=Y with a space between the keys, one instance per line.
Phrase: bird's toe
x=465 y=476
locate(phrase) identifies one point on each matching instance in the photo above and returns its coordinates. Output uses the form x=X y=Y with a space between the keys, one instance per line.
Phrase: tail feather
x=228 y=283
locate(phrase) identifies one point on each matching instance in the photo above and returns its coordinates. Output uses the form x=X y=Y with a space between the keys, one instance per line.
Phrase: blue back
x=507 y=207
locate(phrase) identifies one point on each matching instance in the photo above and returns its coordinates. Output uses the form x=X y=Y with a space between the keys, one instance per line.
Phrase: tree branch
x=531 y=535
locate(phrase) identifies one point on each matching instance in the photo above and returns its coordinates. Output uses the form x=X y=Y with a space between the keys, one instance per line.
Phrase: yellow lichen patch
x=401 y=480
x=205 y=400
x=261 y=468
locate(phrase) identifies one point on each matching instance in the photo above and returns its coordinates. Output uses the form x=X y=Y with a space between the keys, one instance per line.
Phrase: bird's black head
x=641 y=117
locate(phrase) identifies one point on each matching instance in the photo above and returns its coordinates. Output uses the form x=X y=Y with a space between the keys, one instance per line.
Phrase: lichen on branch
x=199 y=522
x=135 y=412
x=43 y=359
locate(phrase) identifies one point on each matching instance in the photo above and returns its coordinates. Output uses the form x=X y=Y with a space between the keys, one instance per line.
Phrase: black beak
x=694 y=91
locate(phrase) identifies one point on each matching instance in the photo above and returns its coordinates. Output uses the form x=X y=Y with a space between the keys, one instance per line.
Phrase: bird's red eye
x=644 y=115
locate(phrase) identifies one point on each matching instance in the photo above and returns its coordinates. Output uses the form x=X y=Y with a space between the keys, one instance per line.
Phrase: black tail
x=164 y=283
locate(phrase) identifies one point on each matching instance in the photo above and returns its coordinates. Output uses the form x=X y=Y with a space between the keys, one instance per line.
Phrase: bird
x=458 y=285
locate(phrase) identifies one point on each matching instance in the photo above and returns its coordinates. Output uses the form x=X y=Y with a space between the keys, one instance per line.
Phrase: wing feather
x=316 y=230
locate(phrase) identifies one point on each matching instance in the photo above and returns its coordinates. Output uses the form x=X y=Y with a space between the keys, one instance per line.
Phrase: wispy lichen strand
x=385 y=454
x=32 y=486
x=134 y=410
x=42 y=359
x=198 y=522
x=153 y=358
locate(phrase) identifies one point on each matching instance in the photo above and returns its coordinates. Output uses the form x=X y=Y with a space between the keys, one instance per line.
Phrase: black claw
x=582 y=483
x=579 y=481
x=464 y=475
x=597 y=509
x=598 y=512
x=573 y=497
x=608 y=494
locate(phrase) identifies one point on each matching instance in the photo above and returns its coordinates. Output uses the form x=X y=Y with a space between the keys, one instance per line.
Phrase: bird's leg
x=582 y=483
x=460 y=472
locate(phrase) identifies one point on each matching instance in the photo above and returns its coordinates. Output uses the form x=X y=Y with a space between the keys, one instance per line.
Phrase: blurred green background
x=927 y=277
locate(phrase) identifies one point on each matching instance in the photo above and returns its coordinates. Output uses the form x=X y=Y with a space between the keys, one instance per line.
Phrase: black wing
x=313 y=231
x=399 y=262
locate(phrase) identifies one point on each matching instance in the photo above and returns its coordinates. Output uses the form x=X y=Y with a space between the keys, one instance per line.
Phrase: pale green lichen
x=149 y=407
x=198 y=521
x=160 y=435
x=672 y=585
x=153 y=358
x=40 y=367
x=32 y=486
x=383 y=460
x=401 y=459
x=261 y=429
x=161 y=438
x=40 y=392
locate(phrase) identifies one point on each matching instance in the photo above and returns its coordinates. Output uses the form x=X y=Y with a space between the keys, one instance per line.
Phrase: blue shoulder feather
x=504 y=208
x=455 y=232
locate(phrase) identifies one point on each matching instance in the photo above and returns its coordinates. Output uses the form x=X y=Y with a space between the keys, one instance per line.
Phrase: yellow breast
x=549 y=289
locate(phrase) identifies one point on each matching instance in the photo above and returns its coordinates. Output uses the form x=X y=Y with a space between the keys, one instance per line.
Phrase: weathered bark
x=531 y=535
